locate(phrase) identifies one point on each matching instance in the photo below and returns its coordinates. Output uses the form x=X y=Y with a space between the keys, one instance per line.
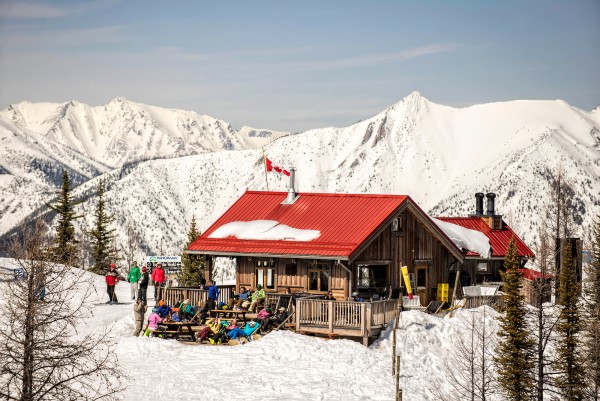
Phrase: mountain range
x=162 y=166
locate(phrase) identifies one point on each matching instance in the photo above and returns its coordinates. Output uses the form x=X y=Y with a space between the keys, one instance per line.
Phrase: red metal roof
x=345 y=221
x=530 y=274
x=499 y=239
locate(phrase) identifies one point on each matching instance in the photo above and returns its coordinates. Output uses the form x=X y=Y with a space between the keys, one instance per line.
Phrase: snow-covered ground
x=281 y=365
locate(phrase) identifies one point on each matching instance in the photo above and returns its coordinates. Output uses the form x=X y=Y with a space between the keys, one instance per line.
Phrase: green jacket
x=258 y=294
x=134 y=274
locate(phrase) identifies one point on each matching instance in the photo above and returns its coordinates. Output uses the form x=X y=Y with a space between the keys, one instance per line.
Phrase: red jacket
x=158 y=275
x=112 y=277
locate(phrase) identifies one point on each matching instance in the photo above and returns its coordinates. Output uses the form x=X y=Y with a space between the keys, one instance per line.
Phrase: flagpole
x=265 y=164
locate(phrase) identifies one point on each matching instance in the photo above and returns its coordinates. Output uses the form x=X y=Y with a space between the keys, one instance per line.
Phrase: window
x=318 y=278
x=372 y=276
x=398 y=225
x=264 y=275
x=291 y=269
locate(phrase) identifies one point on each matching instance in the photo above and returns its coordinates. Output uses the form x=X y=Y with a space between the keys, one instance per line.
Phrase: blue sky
x=298 y=65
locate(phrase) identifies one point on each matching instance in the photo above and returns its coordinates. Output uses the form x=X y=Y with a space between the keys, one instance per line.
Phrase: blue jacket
x=163 y=311
x=213 y=292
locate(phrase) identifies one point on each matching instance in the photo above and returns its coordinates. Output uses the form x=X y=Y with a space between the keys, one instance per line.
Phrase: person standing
x=133 y=277
x=144 y=285
x=158 y=276
x=139 y=311
x=112 y=278
x=213 y=295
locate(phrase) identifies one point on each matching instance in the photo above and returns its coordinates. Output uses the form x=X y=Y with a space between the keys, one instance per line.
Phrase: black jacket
x=144 y=280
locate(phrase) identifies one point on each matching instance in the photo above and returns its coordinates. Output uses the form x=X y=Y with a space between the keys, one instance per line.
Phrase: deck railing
x=349 y=316
x=196 y=296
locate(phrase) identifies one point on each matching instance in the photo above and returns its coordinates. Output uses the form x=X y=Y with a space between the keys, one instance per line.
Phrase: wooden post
x=398 y=389
x=330 y=313
x=298 y=313
x=454 y=292
x=394 y=327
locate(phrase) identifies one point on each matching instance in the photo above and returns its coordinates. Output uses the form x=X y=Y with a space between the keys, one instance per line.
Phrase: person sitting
x=164 y=310
x=231 y=330
x=153 y=320
x=263 y=317
x=212 y=328
x=242 y=296
x=357 y=298
x=329 y=297
x=186 y=311
x=258 y=297
x=278 y=318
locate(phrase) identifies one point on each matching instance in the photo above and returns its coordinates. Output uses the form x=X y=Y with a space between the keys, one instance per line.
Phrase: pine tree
x=192 y=266
x=592 y=317
x=101 y=234
x=515 y=353
x=65 y=244
x=570 y=380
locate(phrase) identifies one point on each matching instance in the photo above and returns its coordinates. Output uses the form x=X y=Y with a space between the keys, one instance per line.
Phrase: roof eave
x=266 y=255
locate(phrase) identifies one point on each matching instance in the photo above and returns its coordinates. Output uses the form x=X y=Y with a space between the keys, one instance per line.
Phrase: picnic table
x=230 y=313
x=176 y=329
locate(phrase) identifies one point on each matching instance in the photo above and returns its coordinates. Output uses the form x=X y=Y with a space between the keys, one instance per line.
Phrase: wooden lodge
x=313 y=243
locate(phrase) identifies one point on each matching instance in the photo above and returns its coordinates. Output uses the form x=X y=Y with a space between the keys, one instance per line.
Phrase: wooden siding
x=416 y=245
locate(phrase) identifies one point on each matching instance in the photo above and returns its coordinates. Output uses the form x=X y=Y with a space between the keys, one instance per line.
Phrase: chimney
x=291 y=196
x=479 y=203
x=491 y=207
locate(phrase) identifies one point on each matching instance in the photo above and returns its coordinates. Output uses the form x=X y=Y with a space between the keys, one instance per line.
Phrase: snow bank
x=264 y=230
x=465 y=238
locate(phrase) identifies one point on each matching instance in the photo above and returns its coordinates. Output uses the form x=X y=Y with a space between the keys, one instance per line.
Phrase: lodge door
x=423 y=283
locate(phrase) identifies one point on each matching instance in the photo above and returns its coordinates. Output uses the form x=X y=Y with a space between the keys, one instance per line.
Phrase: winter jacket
x=112 y=277
x=139 y=310
x=258 y=294
x=213 y=292
x=144 y=280
x=164 y=311
x=244 y=295
x=153 y=321
x=158 y=275
x=134 y=274
x=263 y=314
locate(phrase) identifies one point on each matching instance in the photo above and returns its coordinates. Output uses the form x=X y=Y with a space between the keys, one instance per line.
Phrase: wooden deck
x=344 y=318
x=312 y=314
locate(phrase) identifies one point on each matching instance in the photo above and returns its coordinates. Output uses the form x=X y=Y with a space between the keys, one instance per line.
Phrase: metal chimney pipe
x=291 y=196
x=479 y=203
x=491 y=206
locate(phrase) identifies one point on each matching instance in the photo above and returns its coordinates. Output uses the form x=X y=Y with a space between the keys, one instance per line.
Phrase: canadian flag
x=272 y=168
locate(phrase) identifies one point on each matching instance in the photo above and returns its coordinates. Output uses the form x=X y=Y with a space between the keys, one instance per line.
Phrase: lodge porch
x=311 y=314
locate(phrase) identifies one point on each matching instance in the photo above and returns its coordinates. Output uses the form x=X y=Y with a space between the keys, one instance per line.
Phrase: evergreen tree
x=592 y=311
x=515 y=353
x=570 y=380
x=65 y=244
x=192 y=266
x=101 y=234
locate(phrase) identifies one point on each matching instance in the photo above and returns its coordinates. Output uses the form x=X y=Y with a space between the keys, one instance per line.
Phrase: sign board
x=171 y=264
x=442 y=292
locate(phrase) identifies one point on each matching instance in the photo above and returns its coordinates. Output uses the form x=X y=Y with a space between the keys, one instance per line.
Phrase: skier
x=133 y=277
x=158 y=276
x=112 y=278
x=143 y=285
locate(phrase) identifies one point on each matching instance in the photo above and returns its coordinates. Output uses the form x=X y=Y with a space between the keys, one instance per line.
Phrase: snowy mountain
x=40 y=140
x=438 y=155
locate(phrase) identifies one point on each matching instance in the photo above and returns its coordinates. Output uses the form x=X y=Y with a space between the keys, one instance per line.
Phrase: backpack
x=189 y=309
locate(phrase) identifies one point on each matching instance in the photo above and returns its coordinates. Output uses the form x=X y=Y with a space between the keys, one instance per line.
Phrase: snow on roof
x=263 y=230
x=465 y=238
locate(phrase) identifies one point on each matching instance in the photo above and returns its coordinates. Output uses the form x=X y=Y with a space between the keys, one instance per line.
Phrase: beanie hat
x=161 y=302
x=144 y=268
x=112 y=266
